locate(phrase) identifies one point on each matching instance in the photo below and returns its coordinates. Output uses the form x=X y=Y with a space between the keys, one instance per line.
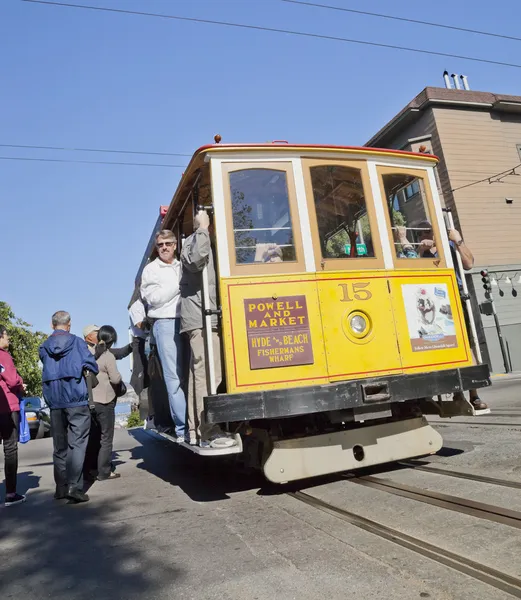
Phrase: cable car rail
x=419 y=466
x=480 y=423
x=497 y=579
x=472 y=508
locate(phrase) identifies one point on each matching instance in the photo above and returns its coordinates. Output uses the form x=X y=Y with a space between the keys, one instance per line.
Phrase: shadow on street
x=203 y=479
x=206 y=479
x=57 y=550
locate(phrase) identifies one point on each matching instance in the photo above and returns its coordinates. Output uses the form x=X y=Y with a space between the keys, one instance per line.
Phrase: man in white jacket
x=160 y=290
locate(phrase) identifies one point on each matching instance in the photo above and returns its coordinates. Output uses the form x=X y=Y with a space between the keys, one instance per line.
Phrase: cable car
x=338 y=335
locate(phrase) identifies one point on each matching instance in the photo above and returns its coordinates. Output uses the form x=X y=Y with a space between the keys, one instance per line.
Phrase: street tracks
x=481 y=510
x=428 y=468
x=493 y=577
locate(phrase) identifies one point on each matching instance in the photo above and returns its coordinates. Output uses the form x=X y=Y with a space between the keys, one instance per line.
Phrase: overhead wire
x=89 y=162
x=497 y=178
x=31 y=147
x=404 y=19
x=274 y=30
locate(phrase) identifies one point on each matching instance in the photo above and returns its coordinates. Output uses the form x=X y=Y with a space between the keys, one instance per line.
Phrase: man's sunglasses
x=166 y=244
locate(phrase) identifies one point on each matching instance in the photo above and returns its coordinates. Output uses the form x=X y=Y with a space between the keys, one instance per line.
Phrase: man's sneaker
x=191 y=440
x=149 y=423
x=168 y=430
x=180 y=439
x=13 y=499
x=113 y=475
x=77 y=495
x=221 y=440
x=478 y=404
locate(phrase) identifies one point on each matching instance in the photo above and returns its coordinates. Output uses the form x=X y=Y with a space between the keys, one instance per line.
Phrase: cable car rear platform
x=236 y=449
x=352 y=394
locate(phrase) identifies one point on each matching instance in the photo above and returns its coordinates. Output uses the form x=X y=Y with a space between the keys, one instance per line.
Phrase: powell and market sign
x=278 y=332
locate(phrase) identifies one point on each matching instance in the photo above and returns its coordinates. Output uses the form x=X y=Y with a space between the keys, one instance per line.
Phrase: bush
x=24 y=344
x=134 y=420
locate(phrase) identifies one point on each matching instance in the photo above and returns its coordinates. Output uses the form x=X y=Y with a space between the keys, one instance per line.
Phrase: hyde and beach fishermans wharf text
x=278 y=332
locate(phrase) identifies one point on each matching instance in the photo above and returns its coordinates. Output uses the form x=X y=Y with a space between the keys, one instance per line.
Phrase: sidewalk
x=506 y=376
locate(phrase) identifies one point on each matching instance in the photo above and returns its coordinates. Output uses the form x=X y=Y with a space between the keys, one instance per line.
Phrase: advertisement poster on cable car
x=278 y=332
x=429 y=316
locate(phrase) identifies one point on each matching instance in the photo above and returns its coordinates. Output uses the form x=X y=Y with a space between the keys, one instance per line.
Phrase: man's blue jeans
x=170 y=348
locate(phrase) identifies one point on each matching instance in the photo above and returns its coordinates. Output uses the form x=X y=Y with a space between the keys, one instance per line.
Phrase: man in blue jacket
x=65 y=359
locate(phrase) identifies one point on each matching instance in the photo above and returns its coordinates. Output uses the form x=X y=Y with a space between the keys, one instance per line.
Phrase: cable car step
x=236 y=449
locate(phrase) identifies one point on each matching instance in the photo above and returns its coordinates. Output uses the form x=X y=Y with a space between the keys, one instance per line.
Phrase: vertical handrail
x=131 y=339
x=449 y=222
x=207 y=320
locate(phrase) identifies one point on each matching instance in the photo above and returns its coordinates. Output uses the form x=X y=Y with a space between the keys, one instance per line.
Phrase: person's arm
x=137 y=313
x=88 y=360
x=11 y=376
x=428 y=249
x=467 y=259
x=120 y=353
x=154 y=292
x=195 y=253
x=407 y=249
x=112 y=369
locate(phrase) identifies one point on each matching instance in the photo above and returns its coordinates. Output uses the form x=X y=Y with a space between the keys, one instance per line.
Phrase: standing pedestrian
x=11 y=388
x=90 y=335
x=160 y=290
x=66 y=358
x=90 y=468
x=105 y=394
x=195 y=255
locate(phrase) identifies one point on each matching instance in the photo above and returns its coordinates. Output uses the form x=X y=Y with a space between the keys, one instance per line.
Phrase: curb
x=506 y=376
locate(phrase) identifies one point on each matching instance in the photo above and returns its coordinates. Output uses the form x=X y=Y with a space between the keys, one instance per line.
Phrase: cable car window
x=262 y=226
x=343 y=222
x=409 y=213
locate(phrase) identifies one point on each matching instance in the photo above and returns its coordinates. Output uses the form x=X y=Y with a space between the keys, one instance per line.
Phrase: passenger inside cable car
x=342 y=218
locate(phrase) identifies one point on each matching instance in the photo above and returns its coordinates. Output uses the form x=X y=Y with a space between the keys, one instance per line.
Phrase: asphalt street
x=176 y=526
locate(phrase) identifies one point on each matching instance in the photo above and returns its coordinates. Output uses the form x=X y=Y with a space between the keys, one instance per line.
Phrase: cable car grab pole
x=449 y=222
x=207 y=314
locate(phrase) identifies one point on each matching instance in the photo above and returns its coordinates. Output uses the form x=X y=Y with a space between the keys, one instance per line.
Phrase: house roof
x=432 y=96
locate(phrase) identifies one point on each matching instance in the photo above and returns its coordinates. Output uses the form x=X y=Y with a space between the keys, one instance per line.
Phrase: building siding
x=508 y=307
x=425 y=127
x=476 y=145
x=473 y=143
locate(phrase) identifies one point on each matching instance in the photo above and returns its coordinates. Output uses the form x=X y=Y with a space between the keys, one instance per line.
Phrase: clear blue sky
x=73 y=234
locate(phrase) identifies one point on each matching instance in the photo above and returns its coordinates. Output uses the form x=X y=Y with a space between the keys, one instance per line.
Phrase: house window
x=411 y=190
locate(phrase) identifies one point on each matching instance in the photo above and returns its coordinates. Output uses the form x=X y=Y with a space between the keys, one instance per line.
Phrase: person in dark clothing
x=11 y=388
x=139 y=333
x=90 y=469
x=90 y=335
x=66 y=358
x=98 y=461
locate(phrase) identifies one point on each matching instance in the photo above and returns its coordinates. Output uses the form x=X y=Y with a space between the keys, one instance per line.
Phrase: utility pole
x=485 y=278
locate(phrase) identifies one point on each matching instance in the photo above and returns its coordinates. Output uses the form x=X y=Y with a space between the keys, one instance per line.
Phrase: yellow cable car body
x=337 y=336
